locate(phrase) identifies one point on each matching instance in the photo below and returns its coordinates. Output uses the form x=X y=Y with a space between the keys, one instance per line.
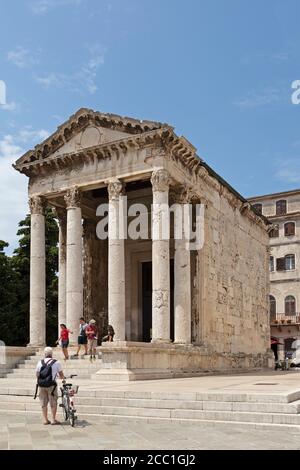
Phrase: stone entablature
x=158 y=143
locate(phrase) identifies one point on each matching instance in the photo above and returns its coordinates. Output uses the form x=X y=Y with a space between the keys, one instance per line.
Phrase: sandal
x=55 y=422
x=47 y=422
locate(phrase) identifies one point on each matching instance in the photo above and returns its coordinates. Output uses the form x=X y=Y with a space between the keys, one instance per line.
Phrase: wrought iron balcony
x=283 y=319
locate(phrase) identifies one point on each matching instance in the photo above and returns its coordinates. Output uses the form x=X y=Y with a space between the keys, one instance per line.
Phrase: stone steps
x=103 y=411
x=114 y=402
x=292 y=408
x=81 y=366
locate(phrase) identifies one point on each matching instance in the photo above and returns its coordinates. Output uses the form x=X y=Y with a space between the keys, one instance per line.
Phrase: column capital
x=115 y=189
x=160 y=180
x=73 y=197
x=179 y=194
x=37 y=205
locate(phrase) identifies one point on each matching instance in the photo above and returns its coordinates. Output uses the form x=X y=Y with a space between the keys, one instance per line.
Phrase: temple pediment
x=85 y=129
x=91 y=136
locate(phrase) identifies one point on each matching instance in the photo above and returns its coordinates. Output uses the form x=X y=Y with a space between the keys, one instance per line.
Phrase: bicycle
x=68 y=391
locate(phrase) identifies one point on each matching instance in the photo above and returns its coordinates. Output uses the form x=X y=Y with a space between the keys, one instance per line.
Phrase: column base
x=161 y=341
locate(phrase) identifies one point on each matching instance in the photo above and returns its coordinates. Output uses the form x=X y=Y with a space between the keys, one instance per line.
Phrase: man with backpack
x=46 y=372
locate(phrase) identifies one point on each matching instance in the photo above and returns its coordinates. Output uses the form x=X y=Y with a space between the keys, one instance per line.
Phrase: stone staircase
x=116 y=406
x=112 y=405
x=160 y=400
x=4 y=370
x=83 y=368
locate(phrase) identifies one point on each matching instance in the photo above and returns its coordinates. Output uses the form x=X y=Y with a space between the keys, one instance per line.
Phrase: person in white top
x=47 y=371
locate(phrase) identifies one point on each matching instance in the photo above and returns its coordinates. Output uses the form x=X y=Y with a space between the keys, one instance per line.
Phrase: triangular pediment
x=91 y=136
x=87 y=128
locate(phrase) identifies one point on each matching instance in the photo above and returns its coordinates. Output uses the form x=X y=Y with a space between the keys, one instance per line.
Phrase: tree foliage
x=14 y=284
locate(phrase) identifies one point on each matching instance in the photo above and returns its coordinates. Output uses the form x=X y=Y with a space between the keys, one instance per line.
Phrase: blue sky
x=220 y=71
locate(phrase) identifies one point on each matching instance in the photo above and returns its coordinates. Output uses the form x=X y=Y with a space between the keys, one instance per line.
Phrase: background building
x=283 y=210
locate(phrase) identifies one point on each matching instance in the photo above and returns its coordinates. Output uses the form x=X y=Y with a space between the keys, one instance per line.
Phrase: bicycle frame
x=67 y=393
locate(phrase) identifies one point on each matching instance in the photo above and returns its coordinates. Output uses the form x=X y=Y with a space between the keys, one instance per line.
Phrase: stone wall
x=235 y=282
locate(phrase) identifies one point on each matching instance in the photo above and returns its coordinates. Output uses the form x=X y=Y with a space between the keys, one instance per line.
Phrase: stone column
x=160 y=257
x=182 y=273
x=116 y=261
x=62 y=223
x=74 y=284
x=37 y=272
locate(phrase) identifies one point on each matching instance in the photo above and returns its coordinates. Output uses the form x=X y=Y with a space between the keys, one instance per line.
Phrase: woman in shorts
x=64 y=339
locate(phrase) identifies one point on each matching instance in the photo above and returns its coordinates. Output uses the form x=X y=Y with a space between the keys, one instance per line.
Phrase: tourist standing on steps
x=63 y=340
x=92 y=333
x=82 y=338
x=47 y=371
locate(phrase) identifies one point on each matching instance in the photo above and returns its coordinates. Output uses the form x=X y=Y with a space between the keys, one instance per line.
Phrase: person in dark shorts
x=64 y=339
x=82 y=337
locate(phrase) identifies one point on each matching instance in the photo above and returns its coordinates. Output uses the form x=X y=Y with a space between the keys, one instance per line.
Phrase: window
x=281 y=207
x=272 y=306
x=271 y=263
x=289 y=229
x=285 y=264
x=258 y=208
x=289 y=262
x=274 y=232
x=290 y=305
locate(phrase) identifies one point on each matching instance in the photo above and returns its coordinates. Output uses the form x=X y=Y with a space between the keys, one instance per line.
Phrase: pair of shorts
x=45 y=396
x=65 y=343
x=92 y=343
x=82 y=340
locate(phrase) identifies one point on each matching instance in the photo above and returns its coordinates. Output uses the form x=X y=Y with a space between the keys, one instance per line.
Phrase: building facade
x=175 y=310
x=283 y=210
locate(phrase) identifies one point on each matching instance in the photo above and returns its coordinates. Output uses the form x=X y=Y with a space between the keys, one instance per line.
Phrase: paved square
x=26 y=432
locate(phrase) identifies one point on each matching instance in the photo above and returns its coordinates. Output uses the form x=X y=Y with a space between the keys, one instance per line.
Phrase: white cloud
x=289 y=171
x=13 y=185
x=83 y=79
x=52 y=80
x=12 y=106
x=255 y=99
x=29 y=135
x=40 y=7
x=22 y=57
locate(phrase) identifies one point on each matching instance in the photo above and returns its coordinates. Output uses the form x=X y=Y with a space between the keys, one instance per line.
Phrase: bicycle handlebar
x=69 y=377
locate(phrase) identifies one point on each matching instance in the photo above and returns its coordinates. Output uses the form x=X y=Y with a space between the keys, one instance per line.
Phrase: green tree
x=20 y=262
x=8 y=298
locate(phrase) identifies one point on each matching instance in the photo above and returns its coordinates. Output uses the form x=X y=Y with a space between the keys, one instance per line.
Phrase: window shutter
x=280 y=264
x=289 y=228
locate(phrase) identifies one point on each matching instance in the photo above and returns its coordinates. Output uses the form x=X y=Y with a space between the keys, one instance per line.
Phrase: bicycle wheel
x=65 y=408
x=72 y=418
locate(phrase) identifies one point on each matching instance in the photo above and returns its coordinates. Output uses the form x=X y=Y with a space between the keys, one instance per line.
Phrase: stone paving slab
x=27 y=432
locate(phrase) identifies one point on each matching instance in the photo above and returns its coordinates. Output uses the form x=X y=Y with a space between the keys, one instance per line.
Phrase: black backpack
x=45 y=374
